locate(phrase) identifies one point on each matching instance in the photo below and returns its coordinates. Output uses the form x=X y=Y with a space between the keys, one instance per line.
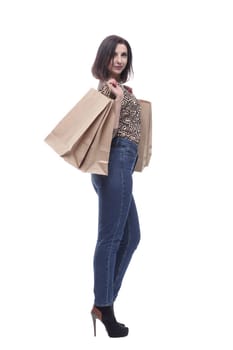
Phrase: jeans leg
x=127 y=246
x=115 y=196
x=118 y=227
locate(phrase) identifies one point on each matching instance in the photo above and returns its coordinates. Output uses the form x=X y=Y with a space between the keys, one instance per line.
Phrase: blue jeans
x=118 y=224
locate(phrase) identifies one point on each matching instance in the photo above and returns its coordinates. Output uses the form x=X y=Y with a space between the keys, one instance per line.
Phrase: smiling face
x=118 y=62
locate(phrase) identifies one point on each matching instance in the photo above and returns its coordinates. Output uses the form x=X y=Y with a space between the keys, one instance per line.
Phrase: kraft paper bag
x=83 y=137
x=145 y=144
x=97 y=157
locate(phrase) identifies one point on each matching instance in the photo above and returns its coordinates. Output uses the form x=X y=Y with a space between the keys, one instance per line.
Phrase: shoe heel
x=94 y=323
x=113 y=328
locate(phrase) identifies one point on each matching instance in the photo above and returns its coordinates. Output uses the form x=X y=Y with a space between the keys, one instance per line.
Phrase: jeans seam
x=110 y=297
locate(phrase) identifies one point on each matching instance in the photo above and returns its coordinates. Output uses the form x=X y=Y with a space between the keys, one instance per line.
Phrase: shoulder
x=101 y=84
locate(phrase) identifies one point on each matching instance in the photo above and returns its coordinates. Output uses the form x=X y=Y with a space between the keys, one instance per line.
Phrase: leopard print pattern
x=130 y=121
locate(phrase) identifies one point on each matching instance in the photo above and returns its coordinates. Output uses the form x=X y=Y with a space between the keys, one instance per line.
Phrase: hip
x=123 y=154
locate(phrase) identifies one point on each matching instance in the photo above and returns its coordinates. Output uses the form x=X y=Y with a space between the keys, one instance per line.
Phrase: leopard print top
x=129 y=122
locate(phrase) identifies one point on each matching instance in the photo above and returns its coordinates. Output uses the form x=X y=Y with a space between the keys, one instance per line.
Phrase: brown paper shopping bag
x=145 y=144
x=83 y=137
x=97 y=157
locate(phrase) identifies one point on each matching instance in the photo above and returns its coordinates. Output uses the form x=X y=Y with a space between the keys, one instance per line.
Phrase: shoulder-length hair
x=106 y=53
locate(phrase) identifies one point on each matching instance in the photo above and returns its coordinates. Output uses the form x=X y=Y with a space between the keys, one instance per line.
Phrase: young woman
x=118 y=226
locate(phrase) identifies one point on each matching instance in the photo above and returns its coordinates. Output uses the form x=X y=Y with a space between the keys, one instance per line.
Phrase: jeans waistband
x=121 y=141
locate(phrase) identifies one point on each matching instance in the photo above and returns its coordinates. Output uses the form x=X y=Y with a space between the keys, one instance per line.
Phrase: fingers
x=115 y=88
x=112 y=82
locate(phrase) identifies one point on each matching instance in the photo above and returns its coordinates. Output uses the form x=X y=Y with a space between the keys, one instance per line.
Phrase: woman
x=118 y=226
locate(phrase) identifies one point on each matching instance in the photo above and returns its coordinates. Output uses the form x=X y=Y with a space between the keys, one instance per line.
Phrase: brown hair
x=104 y=55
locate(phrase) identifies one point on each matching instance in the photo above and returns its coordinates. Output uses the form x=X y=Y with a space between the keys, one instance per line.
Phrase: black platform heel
x=121 y=324
x=106 y=315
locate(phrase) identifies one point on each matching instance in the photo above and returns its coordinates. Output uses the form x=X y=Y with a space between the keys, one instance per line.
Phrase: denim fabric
x=118 y=224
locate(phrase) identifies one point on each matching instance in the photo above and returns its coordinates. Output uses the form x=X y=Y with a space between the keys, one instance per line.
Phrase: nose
x=118 y=59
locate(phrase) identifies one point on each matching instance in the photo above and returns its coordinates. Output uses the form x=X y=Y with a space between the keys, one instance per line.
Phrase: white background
x=177 y=293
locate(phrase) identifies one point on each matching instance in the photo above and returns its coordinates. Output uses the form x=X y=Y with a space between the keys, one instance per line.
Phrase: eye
x=124 y=54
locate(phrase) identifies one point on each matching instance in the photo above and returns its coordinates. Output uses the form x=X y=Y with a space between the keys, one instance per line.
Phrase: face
x=119 y=61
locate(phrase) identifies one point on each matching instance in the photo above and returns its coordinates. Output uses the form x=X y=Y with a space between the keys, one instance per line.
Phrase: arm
x=111 y=87
x=117 y=110
x=118 y=92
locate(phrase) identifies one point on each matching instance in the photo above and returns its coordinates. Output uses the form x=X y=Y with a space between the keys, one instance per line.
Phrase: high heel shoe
x=121 y=324
x=106 y=316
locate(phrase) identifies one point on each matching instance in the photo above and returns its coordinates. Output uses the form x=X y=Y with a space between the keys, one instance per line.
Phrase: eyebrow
x=122 y=53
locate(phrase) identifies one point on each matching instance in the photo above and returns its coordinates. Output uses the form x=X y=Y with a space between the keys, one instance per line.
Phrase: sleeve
x=104 y=89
